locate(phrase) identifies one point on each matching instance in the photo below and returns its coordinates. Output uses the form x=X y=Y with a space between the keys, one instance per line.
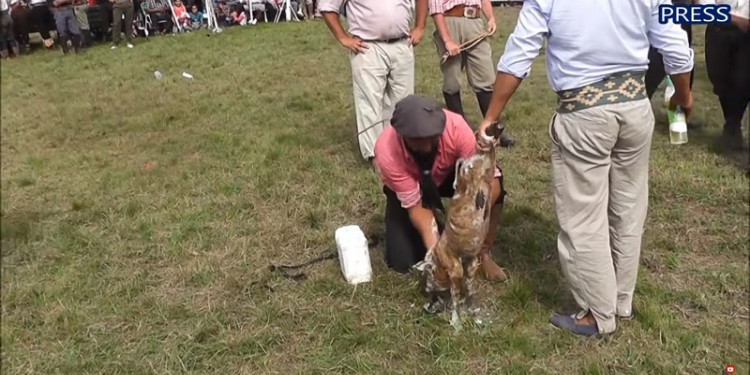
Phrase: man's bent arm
x=487 y=9
x=421 y=14
x=423 y=220
x=672 y=43
x=505 y=86
x=520 y=51
x=334 y=24
x=441 y=27
x=330 y=11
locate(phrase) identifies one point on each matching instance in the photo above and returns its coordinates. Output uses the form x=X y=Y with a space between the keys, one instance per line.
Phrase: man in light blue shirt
x=597 y=56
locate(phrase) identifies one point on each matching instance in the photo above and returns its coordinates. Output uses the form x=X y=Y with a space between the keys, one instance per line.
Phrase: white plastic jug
x=354 y=255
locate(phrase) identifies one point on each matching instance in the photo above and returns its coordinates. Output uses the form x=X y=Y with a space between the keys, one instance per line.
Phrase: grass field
x=139 y=217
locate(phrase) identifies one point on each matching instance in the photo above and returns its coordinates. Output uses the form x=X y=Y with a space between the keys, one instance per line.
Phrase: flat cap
x=416 y=116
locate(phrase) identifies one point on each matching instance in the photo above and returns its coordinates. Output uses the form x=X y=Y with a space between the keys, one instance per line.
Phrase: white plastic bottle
x=677 y=127
x=677 y=124
x=354 y=254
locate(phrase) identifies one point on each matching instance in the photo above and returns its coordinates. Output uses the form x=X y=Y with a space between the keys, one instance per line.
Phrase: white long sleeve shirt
x=588 y=40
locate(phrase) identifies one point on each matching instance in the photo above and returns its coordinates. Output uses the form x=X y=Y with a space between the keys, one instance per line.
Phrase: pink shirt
x=398 y=170
x=440 y=6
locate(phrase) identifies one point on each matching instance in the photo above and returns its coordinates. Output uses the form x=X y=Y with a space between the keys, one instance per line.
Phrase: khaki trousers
x=480 y=71
x=600 y=166
x=381 y=76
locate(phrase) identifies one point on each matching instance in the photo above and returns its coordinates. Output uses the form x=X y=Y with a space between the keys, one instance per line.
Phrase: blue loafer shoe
x=568 y=323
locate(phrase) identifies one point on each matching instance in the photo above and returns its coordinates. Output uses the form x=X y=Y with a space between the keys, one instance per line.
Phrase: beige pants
x=480 y=71
x=381 y=76
x=600 y=160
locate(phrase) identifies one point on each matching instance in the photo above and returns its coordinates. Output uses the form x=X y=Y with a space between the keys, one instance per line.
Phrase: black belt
x=393 y=40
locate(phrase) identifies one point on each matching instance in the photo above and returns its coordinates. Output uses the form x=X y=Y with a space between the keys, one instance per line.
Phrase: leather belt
x=392 y=40
x=466 y=11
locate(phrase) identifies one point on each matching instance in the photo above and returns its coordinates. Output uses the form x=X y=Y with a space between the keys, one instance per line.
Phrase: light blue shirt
x=588 y=40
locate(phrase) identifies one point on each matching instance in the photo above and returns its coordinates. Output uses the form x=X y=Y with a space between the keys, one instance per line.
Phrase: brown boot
x=490 y=269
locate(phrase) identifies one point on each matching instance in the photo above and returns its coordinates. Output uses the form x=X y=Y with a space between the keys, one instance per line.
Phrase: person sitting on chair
x=160 y=14
x=196 y=18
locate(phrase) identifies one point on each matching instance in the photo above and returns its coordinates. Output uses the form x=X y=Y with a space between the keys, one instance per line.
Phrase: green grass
x=139 y=217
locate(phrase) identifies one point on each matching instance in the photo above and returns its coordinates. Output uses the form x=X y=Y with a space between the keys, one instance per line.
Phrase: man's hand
x=491 y=26
x=682 y=97
x=415 y=36
x=483 y=144
x=353 y=44
x=452 y=48
x=685 y=102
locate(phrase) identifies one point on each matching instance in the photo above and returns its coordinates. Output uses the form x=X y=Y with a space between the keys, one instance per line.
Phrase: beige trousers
x=381 y=76
x=480 y=70
x=600 y=160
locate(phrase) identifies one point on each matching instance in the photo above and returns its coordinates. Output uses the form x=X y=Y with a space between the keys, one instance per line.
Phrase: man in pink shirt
x=416 y=159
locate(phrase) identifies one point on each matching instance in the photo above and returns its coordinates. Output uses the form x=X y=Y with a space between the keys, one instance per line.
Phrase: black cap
x=416 y=116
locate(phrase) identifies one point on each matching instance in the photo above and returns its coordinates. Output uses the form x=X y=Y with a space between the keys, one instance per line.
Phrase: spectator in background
x=239 y=16
x=80 y=7
x=196 y=18
x=20 y=15
x=40 y=16
x=181 y=13
x=120 y=8
x=160 y=14
x=308 y=10
x=380 y=43
x=67 y=25
x=728 y=66
x=223 y=15
x=7 y=36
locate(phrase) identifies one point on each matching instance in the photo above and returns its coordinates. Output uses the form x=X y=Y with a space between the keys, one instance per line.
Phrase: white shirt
x=740 y=8
x=588 y=40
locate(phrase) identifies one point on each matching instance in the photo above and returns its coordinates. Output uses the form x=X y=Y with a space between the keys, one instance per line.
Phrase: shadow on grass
x=526 y=247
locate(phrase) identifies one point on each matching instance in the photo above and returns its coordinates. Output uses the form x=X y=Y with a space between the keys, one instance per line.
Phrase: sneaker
x=130 y=45
x=113 y=47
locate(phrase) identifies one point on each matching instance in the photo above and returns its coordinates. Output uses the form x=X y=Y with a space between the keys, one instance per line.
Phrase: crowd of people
x=77 y=23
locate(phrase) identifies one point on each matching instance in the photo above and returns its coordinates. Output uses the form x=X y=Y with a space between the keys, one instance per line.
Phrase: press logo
x=697 y=14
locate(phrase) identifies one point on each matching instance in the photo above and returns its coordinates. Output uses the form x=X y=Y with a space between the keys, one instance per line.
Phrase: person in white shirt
x=728 y=67
x=597 y=55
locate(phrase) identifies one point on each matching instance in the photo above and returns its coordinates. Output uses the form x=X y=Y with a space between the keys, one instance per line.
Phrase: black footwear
x=453 y=102
x=64 y=45
x=731 y=139
x=77 y=43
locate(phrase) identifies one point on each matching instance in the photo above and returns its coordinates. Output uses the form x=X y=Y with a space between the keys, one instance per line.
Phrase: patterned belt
x=617 y=88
